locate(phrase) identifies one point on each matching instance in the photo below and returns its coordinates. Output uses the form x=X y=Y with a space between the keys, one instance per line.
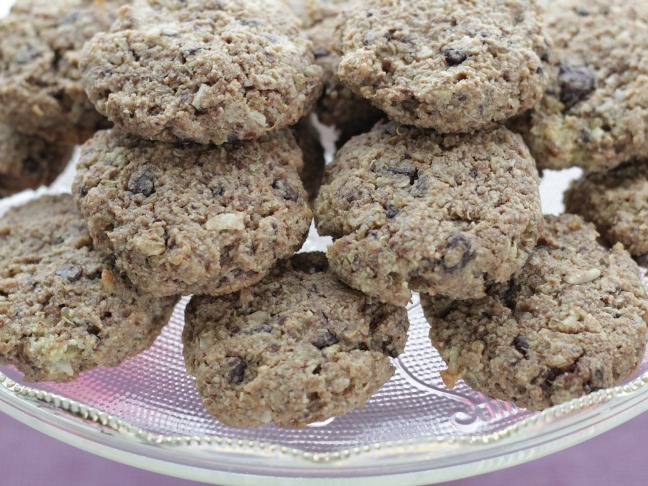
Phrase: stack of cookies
x=44 y=110
x=207 y=183
x=199 y=189
x=442 y=198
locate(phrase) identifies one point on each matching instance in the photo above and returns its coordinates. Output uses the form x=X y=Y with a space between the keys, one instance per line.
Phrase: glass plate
x=146 y=413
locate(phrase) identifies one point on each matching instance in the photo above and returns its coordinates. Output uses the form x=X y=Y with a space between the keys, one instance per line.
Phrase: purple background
x=30 y=458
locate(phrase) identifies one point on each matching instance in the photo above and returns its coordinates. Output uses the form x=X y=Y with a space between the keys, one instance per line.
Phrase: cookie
x=297 y=348
x=616 y=202
x=64 y=308
x=349 y=113
x=193 y=219
x=411 y=209
x=571 y=322
x=456 y=67
x=28 y=162
x=202 y=71
x=40 y=83
x=595 y=111
x=312 y=172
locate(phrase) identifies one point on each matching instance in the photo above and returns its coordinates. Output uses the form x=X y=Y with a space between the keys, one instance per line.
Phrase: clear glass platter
x=146 y=413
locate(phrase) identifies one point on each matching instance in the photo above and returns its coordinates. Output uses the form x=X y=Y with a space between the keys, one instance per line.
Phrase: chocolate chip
x=521 y=345
x=82 y=189
x=141 y=183
x=237 y=370
x=453 y=56
x=391 y=211
x=320 y=53
x=510 y=296
x=411 y=172
x=218 y=191
x=287 y=192
x=582 y=11
x=30 y=165
x=232 y=138
x=324 y=340
x=420 y=187
x=586 y=136
x=576 y=84
x=70 y=271
x=459 y=245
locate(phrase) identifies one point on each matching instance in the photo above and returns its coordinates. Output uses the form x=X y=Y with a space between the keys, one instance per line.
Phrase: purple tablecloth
x=29 y=458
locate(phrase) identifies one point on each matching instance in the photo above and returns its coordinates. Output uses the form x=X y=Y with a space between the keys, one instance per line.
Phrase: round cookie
x=299 y=347
x=40 y=82
x=571 y=322
x=193 y=219
x=456 y=67
x=312 y=172
x=28 y=162
x=64 y=308
x=441 y=214
x=339 y=106
x=616 y=202
x=595 y=111
x=202 y=71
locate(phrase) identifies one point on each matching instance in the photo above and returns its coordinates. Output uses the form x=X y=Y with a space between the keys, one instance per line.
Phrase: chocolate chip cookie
x=193 y=219
x=616 y=202
x=595 y=111
x=297 y=348
x=443 y=214
x=571 y=322
x=340 y=107
x=40 y=82
x=202 y=71
x=456 y=67
x=28 y=162
x=64 y=308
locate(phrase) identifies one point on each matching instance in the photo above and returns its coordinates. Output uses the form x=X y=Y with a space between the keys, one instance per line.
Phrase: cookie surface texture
x=571 y=322
x=193 y=219
x=64 y=308
x=41 y=92
x=595 y=111
x=27 y=162
x=202 y=71
x=616 y=202
x=410 y=209
x=456 y=67
x=297 y=348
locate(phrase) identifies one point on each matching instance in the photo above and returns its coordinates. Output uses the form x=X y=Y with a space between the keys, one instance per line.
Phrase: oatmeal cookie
x=616 y=202
x=456 y=67
x=27 y=162
x=340 y=107
x=40 y=83
x=595 y=111
x=571 y=322
x=202 y=71
x=193 y=219
x=441 y=214
x=297 y=348
x=64 y=308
